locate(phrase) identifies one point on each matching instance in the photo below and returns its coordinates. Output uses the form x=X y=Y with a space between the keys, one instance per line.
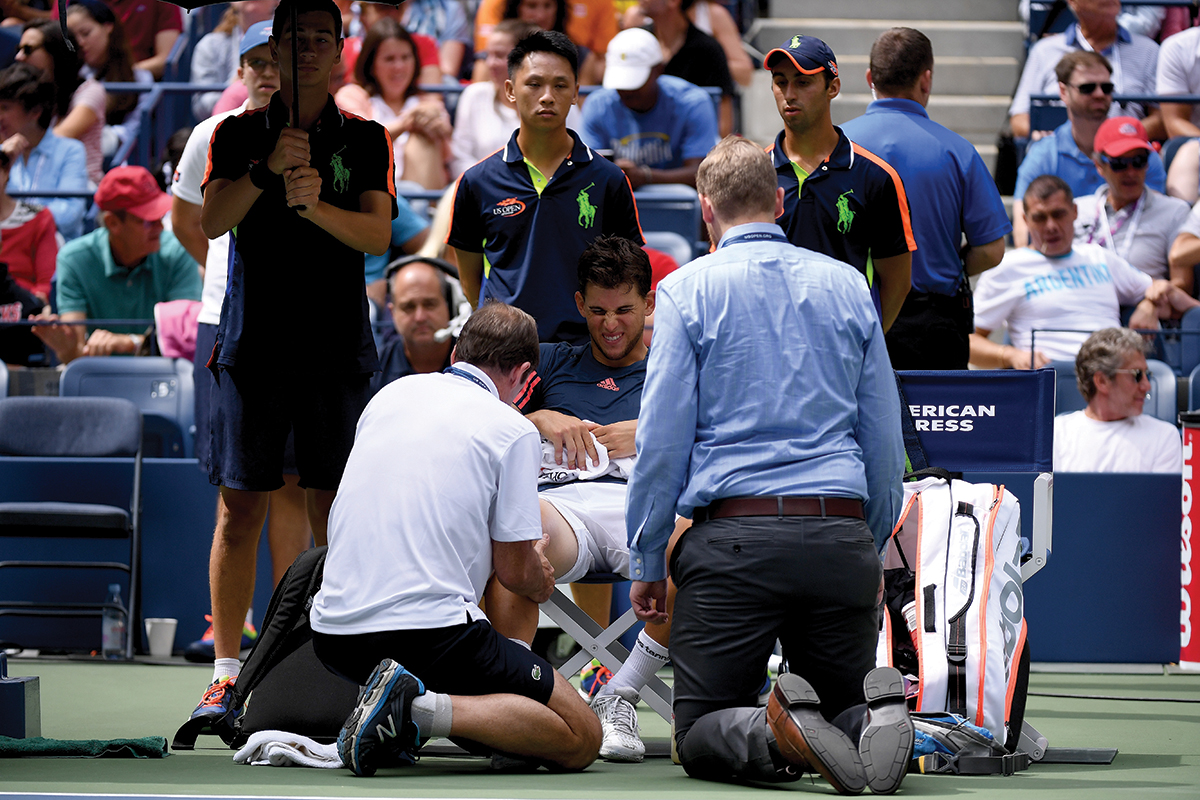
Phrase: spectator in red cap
x=120 y=270
x=1124 y=215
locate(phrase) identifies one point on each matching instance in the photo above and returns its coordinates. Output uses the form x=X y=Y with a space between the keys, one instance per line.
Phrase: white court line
x=122 y=795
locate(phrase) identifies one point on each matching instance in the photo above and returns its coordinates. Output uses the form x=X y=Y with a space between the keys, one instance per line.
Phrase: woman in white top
x=215 y=59
x=79 y=104
x=485 y=118
x=386 y=91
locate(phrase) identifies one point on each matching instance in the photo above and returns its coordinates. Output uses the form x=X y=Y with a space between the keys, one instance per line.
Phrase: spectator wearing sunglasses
x=1051 y=295
x=1112 y=434
x=1085 y=84
x=1124 y=215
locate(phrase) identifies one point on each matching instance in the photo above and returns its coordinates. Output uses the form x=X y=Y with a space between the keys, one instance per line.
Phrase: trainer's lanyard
x=756 y=236
x=464 y=374
x=1108 y=232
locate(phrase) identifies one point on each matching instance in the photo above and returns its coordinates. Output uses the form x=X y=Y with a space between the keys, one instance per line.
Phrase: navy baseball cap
x=808 y=53
x=255 y=36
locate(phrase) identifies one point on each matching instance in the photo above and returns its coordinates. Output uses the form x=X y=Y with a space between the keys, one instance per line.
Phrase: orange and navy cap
x=808 y=53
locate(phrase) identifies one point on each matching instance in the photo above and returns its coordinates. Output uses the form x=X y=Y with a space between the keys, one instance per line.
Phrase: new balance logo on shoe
x=383 y=732
x=610 y=384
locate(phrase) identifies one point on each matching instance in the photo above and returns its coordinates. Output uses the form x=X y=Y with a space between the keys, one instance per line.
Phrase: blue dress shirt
x=768 y=375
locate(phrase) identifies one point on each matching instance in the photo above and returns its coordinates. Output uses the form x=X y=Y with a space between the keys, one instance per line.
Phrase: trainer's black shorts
x=470 y=659
x=253 y=412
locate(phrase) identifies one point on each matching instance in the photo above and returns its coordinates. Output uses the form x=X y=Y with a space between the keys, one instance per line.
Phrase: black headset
x=445 y=269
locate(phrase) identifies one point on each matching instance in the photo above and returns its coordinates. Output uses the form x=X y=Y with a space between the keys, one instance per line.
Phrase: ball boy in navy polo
x=839 y=198
x=523 y=216
x=294 y=349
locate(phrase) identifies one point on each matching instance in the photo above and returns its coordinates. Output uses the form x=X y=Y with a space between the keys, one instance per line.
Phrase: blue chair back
x=669 y=207
x=1067 y=397
x=671 y=243
x=1163 y=399
x=983 y=420
x=159 y=387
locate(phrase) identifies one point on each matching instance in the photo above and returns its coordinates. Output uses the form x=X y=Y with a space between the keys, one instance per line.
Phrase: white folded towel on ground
x=283 y=749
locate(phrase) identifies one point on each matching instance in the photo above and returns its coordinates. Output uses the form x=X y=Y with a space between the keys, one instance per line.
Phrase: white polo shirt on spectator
x=1080 y=293
x=1141 y=232
x=440 y=469
x=1179 y=67
x=1134 y=60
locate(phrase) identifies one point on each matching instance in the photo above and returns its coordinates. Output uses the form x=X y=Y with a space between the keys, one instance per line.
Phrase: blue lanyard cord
x=757 y=236
x=463 y=374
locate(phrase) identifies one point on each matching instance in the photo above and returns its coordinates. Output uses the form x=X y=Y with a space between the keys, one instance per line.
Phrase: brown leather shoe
x=807 y=739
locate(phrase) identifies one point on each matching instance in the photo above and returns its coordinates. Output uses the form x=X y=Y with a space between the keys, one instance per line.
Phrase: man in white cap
x=658 y=127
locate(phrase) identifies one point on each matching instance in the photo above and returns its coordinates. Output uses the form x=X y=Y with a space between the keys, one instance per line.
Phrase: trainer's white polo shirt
x=440 y=469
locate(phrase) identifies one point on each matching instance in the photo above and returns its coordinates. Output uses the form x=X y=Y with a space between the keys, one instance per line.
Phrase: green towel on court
x=37 y=747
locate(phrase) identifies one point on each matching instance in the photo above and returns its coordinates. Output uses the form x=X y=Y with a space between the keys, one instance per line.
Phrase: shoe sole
x=623 y=755
x=369 y=697
x=805 y=737
x=886 y=743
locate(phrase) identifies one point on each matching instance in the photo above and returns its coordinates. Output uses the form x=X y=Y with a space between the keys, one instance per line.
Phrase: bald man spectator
x=421 y=304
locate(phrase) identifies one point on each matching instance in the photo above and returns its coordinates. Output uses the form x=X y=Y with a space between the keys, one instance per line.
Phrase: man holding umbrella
x=306 y=190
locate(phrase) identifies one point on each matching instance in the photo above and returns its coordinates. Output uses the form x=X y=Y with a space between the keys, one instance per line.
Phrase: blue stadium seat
x=3 y=380
x=670 y=207
x=1163 y=400
x=1067 y=397
x=671 y=243
x=161 y=388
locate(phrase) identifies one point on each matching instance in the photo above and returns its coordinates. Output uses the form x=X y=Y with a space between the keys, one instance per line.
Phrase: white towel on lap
x=283 y=749
x=552 y=472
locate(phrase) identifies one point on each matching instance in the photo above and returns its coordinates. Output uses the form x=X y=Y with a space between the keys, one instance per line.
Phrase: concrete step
x=959 y=113
x=855 y=36
x=999 y=10
x=951 y=74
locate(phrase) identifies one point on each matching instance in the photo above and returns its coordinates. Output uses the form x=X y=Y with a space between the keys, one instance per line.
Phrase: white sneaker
x=619 y=723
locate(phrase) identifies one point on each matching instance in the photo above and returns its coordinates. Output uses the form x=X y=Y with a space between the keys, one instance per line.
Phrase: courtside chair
x=602 y=644
x=71 y=429
x=161 y=388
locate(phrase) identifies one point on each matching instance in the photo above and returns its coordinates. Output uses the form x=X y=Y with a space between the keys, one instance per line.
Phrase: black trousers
x=744 y=582
x=932 y=332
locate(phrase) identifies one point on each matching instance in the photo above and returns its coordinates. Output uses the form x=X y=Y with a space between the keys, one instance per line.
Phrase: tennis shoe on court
x=380 y=731
x=215 y=702
x=594 y=677
x=619 y=725
x=203 y=650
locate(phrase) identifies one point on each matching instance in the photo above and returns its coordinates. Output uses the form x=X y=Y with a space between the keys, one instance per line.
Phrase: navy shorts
x=202 y=377
x=253 y=415
x=470 y=659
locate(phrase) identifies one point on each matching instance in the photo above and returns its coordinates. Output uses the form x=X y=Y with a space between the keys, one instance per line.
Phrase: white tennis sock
x=226 y=668
x=647 y=658
x=432 y=713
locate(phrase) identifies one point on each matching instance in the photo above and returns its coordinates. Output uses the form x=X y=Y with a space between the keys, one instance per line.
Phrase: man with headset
x=421 y=301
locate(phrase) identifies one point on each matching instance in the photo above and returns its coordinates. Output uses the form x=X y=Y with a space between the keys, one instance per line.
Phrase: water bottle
x=112 y=625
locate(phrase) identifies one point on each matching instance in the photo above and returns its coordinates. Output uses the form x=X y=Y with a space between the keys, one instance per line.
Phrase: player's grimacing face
x=615 y=320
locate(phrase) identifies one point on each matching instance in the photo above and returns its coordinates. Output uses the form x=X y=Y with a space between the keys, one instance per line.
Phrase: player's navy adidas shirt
x=570 y=380
x=531 y=239
x=295 y=296
x=853 y=208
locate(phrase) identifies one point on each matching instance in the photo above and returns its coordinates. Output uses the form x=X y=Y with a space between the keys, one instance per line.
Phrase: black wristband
x=262 y=177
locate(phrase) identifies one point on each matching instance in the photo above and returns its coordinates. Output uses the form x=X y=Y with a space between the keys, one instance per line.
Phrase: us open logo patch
x=508 y=208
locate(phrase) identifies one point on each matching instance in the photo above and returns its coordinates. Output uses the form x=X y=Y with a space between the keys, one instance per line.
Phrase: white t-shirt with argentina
x=1081 y=291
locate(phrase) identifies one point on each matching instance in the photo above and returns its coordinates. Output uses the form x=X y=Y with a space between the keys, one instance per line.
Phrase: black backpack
x=281 y=668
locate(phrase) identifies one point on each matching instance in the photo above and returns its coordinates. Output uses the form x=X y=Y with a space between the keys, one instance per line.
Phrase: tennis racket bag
x=953 y=619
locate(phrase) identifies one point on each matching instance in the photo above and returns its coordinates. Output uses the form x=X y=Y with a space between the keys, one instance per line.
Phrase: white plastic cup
x=161 y=633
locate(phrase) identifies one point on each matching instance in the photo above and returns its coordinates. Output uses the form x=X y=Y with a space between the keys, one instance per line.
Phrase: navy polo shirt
x=295 y=296
x=394 y=363
x=570 y=380
x=956 y=191
x=852 y=208
x=531 y=243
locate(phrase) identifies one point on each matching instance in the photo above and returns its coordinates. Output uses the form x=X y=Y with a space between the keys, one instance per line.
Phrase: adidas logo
x=610 y=384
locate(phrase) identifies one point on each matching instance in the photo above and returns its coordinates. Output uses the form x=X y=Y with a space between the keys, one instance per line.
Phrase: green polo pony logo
x=587 y=211
x=341 y=173
x=845 y=215
x=794 y=43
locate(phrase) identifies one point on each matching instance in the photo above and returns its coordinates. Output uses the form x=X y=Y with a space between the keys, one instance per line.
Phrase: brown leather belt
x=780 y=507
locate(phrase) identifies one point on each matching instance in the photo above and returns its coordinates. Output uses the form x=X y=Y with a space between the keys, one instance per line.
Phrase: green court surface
x=1159 y=744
